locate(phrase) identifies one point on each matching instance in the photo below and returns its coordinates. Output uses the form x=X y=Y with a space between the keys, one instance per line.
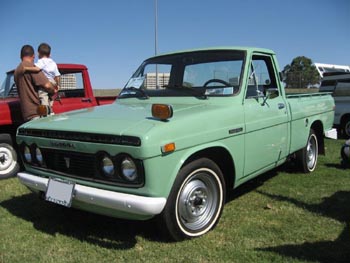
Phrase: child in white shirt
x=49 y=67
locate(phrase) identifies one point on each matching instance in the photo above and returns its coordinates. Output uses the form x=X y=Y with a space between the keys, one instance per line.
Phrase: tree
x=300 y=73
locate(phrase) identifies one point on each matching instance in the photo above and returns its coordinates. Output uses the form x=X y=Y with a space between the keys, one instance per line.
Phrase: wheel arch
x=6 y=136
x=317 y=126
x=222 y=158
x=9 y=131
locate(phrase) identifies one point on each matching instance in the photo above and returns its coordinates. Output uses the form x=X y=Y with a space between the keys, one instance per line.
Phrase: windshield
x=200 y=73
x=2 y=89
x=8 y=86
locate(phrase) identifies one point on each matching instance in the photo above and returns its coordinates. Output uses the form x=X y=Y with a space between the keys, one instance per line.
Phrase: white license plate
x=60 y=192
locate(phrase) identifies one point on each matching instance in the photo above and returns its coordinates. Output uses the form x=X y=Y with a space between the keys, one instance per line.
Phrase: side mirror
x=272 y=93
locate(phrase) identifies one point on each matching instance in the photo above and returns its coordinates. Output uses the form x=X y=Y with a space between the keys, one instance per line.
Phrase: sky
x=112 y=38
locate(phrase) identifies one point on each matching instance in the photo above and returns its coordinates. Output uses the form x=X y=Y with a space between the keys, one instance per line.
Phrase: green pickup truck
x=187 y=127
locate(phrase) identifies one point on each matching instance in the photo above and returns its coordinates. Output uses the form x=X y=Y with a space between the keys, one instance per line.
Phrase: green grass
x=281 y=216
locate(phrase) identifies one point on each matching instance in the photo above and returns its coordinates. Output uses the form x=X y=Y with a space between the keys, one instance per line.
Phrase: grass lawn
x=281 y=216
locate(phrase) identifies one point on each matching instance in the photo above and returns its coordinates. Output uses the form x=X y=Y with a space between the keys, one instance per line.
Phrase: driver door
x=72 y=94
x=266 y=120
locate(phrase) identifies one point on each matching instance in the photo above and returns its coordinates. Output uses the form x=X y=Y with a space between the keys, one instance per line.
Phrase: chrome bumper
x=133 y=204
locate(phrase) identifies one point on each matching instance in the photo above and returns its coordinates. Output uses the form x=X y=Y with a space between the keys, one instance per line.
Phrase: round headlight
x=27 y=154
x=39 y=156
x=129 y=169
x=107 y=166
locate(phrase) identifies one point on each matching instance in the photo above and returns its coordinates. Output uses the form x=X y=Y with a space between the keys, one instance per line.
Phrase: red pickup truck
x=75 y=93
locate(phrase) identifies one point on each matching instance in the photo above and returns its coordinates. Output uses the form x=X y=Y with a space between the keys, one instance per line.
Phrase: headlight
x=107 y=166
x=39 y=156
x=129 y=169
x=27 y=154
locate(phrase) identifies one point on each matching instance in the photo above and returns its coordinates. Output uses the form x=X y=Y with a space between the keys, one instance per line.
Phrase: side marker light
x=168 y=148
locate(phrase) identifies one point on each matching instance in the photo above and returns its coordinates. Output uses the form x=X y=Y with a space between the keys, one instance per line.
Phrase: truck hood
x=118 y=119
x=194 y=122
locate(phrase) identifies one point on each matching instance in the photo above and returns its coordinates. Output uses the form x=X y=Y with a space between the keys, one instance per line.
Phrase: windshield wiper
x=139 y=91
x=199 y=93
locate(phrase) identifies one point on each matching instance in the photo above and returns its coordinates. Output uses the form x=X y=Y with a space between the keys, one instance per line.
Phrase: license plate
x=60 y=192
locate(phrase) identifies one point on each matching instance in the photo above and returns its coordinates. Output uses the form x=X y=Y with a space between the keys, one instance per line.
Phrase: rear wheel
x=196 y=200
x=307 y=157
x=346 y=127
x=345 y=154
x=8 y=157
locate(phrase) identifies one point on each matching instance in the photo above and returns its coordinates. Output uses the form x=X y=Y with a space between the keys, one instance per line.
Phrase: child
x=49 y=68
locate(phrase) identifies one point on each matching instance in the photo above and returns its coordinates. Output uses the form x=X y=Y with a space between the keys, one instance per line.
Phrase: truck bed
x=306 y=108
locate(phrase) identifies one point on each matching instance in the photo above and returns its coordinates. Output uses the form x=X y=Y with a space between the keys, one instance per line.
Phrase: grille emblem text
x=63 y=144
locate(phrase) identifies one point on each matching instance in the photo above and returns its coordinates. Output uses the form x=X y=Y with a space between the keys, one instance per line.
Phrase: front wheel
x=307 y=157
x=8 y=158
x=196 y=200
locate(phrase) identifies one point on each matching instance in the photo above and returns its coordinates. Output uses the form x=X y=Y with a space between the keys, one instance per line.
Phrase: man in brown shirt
x=28 y=84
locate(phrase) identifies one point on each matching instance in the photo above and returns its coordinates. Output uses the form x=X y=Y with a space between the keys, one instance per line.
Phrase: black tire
x=307 y=157
x=346 y=127
x=345 y=158
x=196 y=200
x=9 y=165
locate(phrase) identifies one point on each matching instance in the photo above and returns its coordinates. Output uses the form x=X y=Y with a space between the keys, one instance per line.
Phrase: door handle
x=281 y=106
x=86 y=100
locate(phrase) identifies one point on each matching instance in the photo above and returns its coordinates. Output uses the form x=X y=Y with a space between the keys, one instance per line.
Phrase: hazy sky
x=113 y=37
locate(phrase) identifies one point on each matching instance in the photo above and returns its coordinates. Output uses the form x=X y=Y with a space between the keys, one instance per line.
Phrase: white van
x=339 y=84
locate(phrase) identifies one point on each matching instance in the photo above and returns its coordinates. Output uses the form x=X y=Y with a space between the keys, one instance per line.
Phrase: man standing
x=28 y=84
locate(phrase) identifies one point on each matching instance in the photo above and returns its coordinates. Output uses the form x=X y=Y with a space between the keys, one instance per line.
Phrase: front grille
x=71 y=163
x=82 y=165
x=82 y=136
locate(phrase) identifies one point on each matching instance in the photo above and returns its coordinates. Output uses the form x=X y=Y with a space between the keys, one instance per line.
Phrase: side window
x=261 y=76
x=13 y=92
x=72 y=85
x=8 y=87
x=342 y=88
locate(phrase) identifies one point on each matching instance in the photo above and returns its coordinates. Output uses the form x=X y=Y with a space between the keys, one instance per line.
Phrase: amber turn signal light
x=168 y=148
x=162 y=111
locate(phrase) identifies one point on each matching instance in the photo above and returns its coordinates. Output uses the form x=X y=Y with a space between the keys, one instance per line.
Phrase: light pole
x=156 y=27
x=156 y=36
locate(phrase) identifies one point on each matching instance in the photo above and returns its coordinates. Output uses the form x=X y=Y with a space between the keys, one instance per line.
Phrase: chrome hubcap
x=198 y=201
x=195 y=200
x=6 y=160
x=311 y=152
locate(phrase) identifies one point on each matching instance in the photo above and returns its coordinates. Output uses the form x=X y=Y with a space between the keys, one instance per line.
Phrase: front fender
x=161 y=171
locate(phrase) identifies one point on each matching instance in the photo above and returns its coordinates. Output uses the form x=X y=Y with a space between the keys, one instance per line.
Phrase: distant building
x=323 y=68
x=151 y=81
x=68 y=81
